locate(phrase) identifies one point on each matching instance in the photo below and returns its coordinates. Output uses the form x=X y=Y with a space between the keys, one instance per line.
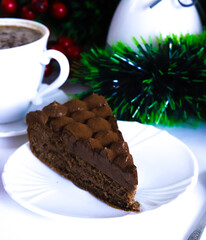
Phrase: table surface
x=174 y=220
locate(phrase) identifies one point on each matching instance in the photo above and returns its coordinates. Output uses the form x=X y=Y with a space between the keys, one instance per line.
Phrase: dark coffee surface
x=14 y=36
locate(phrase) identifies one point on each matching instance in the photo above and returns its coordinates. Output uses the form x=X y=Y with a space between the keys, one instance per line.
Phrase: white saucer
x=166 y=169
x=19 y=127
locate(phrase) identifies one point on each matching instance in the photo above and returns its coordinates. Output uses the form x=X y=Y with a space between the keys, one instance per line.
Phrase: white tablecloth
x=173 y=221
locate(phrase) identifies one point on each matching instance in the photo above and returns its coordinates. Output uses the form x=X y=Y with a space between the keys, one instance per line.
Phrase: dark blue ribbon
x=182 y=4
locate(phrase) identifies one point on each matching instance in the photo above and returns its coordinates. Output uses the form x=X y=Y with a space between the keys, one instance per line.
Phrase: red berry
x=9 y=6
x=48 y=70
x=59 y=10
x=65 y=41
x=39 y=6
x=58 y=47
x=73 y=53
x=27 y=13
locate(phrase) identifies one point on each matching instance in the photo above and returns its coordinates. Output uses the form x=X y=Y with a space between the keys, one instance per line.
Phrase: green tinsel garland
x=153 y=85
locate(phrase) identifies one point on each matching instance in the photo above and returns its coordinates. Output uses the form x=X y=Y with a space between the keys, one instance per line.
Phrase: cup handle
x=63 y=75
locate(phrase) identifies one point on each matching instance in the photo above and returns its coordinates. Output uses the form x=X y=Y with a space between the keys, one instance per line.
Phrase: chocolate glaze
x=89 y=129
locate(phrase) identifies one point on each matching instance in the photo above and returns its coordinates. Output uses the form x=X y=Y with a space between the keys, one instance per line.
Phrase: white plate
x=166 y=168
x=19 y=127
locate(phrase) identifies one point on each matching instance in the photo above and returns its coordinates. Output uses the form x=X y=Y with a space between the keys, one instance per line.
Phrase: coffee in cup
x=14 y=36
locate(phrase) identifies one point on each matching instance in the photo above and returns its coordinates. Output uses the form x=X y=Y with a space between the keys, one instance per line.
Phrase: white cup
x=22 y=70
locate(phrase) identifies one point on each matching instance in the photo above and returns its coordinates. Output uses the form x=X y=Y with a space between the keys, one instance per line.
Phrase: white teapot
x=150 y=18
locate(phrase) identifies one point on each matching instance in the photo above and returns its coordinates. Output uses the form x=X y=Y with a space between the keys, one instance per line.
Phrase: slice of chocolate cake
x=81 y=140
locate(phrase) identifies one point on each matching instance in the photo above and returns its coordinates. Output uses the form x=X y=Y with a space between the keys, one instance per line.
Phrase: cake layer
x=85 y=131
x=55 y=155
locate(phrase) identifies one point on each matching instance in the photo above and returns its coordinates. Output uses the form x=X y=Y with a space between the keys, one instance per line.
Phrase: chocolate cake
x=81 y=141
